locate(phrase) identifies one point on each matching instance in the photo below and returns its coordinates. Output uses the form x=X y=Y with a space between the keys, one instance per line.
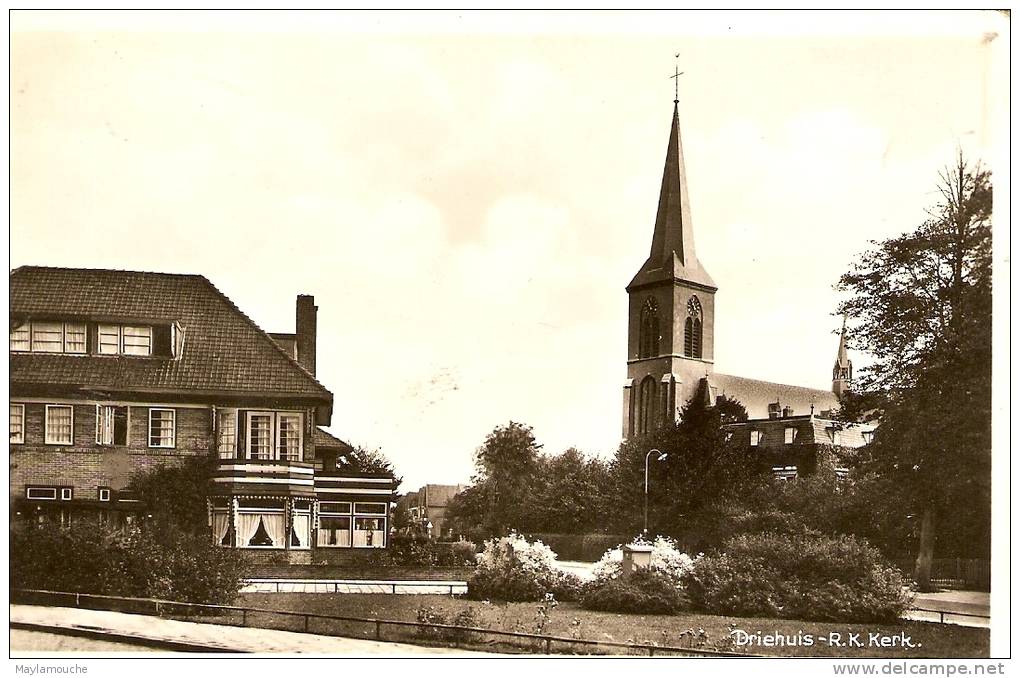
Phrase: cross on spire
x=676 y=80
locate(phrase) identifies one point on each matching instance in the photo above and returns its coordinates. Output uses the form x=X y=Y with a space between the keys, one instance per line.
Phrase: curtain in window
x=58 y=425
x=302 y=525
x=220 y=525
x=247 y=526
x=369 y=532
x=276 y=528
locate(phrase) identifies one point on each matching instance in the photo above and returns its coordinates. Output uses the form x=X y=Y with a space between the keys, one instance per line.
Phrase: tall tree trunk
x=925 y=551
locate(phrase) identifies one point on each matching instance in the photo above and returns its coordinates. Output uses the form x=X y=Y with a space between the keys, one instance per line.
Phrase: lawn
x=569 y=620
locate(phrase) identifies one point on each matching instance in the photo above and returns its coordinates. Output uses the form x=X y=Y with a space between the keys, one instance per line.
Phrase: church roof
x=672 y=254
x=756 y=395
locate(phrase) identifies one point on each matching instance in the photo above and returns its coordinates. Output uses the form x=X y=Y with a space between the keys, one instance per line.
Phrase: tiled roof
x=756 y=395
x=325 y=439
x=224 y=350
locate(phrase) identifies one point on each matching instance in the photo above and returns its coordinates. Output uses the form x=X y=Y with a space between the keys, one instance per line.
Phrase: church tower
x=843 y=370
x=670 y=337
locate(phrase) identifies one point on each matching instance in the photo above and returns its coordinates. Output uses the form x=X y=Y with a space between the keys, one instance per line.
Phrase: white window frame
x=790 y=434
x=105 y=494
x=60 y=331
x=369 y=514
x=30 y=490
x=354 y=529
x=101 y=416
x=84 y=341
x=262 y=512
x=173 y=428
x=26 y=328
x=222 y=414
x=756 y=437
x=20 y=438
x=277 y=448
x=109 y=330
x=248 y=453
x=124 y=338
x=46 y=425
x=336 y=514
x=66 y=493
x=308 y=536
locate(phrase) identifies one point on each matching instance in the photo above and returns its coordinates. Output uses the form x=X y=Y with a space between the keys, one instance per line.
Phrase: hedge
x=585 y=547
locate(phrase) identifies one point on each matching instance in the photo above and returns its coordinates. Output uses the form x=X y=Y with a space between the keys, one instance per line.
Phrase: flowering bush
x=823 y=578
x=667 y=560
x=646 y=591
x=512 y=568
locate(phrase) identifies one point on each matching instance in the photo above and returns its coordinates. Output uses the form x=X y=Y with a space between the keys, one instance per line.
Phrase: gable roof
x=325 y=440
x=756 y=395
x=224 y=351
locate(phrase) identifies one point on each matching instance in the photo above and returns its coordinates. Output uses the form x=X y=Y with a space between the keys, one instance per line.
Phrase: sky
x=467 y=195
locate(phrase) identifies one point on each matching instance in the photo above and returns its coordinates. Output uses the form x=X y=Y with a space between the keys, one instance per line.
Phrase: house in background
x=114 y=373
x=426 y=509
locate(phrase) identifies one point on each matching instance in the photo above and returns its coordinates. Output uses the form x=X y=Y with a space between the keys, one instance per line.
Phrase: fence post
x=378 y=630
x=548 y=645
x=244 y=616
x=394 y=588
x=306 y=623
x=77 y=600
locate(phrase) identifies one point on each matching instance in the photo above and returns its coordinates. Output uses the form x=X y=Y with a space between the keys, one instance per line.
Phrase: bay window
x=59 y=425
x=162 y=427
x=301 y=525
x=370 y=525
x=261 y=523
x=334 y=524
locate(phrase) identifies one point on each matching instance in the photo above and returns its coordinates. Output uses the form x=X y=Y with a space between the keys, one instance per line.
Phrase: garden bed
x=683 y=630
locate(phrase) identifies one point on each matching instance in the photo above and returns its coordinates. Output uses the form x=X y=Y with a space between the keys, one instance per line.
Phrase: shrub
x=818 y=578
x=417 y=551
x=149 y=563
x=586 y=547
x=645 y=591
x=666 y=559
x=431 y=615
x=513 y=569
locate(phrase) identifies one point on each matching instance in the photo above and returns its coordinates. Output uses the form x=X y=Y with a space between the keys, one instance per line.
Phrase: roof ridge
x=764 y=381
x=105 y=270
x=265 y=335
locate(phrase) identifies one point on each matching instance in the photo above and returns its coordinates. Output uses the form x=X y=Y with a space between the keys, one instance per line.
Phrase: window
x=260 y=435
x=111 y=424
x=59 y=424
x=162 y=427
x=66 y=494
x=104 y=494
x=791 y=435
x=288 y=437
x=370 y=533
x=648 y=332
x=136 y=340
x=300 y=528
x=74 y=338
x=226 y=427
x=47 y=337
x=334 y=524
x=647 y=406
x=756 y=438
x=109 y=339
x=46 y=493
x=371 y=509
x=17 y=424
x=221 y=532
x=21 y=338
x=784 y=473
x=274 y=435
x=335 y=507
x=261 y=524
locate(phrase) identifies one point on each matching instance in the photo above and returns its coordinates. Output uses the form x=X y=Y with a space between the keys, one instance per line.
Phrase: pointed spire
x=841 y=357
x=843 y=370
x=672 y=254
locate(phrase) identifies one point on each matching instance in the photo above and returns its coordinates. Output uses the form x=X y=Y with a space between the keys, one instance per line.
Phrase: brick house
x=113 y=373
x=426 y=509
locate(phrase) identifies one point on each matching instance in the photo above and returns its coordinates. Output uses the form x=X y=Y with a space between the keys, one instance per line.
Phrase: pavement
x=211 y=637
x=949 y=602
x=353 y=586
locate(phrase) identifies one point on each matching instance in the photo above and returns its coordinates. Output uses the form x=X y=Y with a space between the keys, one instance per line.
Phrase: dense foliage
x=513 y=569
x=666 y=560
x=416 y=551
x=645 y=591
x=162 y=562
x=920 y=306
x=798 y=577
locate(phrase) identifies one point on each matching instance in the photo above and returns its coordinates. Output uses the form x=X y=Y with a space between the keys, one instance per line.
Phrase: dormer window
x=49 y=337
x=125 y=340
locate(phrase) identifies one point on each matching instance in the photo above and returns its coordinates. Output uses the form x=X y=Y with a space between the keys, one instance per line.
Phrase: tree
x=569 y=494
x=505 y=467
x=920 y=305
x=176 y=494
x=364 y=460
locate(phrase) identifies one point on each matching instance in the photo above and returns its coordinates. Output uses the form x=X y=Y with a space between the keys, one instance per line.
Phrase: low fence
x=971 y=574
x=946 y=616
x=367 y=628
x=273 y=585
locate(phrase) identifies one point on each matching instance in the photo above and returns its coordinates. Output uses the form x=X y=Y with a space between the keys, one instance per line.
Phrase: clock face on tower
x=694 y=307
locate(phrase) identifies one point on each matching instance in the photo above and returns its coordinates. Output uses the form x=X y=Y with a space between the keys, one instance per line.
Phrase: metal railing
x=447 y=587
x=943 y=613
x=423 y=632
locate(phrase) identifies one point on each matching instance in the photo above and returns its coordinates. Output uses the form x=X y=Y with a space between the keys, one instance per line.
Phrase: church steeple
x=842 y=370
x=672 y=255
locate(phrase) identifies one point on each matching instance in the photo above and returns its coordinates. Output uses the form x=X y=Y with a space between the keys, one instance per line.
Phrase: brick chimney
x=305 y=331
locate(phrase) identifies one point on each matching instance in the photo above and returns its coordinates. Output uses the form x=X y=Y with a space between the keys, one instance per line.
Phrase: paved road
x=969 y=602
x=214 y=636
x=30 y=643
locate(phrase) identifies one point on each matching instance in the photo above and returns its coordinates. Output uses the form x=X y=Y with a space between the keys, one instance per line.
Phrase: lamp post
x=662 y=456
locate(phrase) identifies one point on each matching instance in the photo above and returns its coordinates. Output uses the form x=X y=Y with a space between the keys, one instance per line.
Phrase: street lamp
x=662 y=457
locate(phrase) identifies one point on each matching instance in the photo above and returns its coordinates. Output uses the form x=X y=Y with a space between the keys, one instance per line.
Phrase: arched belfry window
x=693 y=329
x=648 y=334
x=647 y=405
